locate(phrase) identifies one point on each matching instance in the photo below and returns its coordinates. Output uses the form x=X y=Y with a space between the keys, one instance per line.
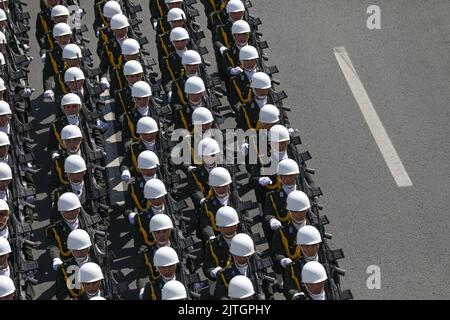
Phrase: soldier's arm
x=206 y=230
x=277 y=247
x=40 y=33
x=289 y=285
x=61 y=291
x=126 y=163
x=47 y=74
x=208 y=262
x=129 y=203
x=221 y=291
x=52 y=248
x=268 y=212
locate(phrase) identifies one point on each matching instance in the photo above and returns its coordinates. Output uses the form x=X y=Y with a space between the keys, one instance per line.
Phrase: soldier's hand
x=214 y=271
x=27 y=92
x=264 y=181
x=274 y=224
x=202 y=201
x=49 y=96
x=235 y=71
x=126 y=176
x=222 y=49
x=244 y=149
x=131 y=217
x=55 y=155
x=285 y=262
x=43 y=56
x=299 y=296
x=56 y=263
x=104 y=83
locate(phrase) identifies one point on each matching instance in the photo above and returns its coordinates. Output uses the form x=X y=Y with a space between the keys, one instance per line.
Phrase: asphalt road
x=405 y=70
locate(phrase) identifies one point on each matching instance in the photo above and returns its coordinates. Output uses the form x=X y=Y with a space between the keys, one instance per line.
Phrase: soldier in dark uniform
x=176 y=18
x=92 y=281
x=44 y=27
x=132 y=72
x=215 y=12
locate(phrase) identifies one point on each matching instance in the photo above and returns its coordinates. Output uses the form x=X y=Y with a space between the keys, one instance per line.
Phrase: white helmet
x=71 y=132
x=130 y=46
x=4 y=139
x=172 y=1
x=3 y=16
x=261 y=80
x=313 y=272
x=72 y=51
x=132 y=67
x=73 y=74
x=240 y=26
x=90 y=272
x=111 y=8
x=208 y=147
x=2 y=84
x=74 y=164
x=146 y=125
x=59 y=10
x=308 y=235
x=287 y=167
x=6 y=286
x=240 y=287
x=173 y=290
x=4 y=205
x=242 y=245
x=141 y=89
x=178 y=34
x=61 y=29
x=297 y=201
x=5 y=173
x=226 y=217
x=5 y=247
x=279 y=133
x=165 y=257
x=2 y=59
x=201 y=116
x=4 y=108
x=269 y=114
x=68 y=201
x=175 y=14
x=2 y=38
x=147 y=160
x=78 y=239
x=70 y=98
x=194 y=85
x=248 y=52
x=160 y=222
x=97 y=298
x=119 y=21
x=191 y=57
x=219 y=177
x=235 y=6
x=154 y=189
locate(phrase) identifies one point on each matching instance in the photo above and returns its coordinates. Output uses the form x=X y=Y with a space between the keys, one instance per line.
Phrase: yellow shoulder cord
x=149 y=265
x=60 y=173
x=47 y=32
x=216 y=260
x=294 y=277
x=133 y=159
x=293 y=256
x=144 y=233
x=131 y=126
x=198 y=183
x=99 y=4
x=118 y=77
x=225 y=38
x=111 y=58
x=211 y=217
x=213 y=4
x=72 y=293
x=55 y=130
x=60 y=246
x=247 y=118
x=153 y=292
x=57 y=73
x=224 y=280
x=183 y=119
x=229 y=262
x=163 y=45
x=180 y=93
x=104 y=37
x=122 y=103
x=286 y=218
x=161 y=11
x=172 y=75
x=210 y=194
x=238 y=90
x=136 y=200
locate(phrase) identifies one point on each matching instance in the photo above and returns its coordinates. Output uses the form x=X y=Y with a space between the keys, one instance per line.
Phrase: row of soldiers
x=173 y=243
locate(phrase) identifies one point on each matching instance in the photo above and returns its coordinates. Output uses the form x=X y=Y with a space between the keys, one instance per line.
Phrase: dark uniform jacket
x=284 y=244
x=216 y=255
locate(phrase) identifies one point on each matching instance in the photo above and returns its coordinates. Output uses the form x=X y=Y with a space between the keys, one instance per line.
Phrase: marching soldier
x=44 y=27
x=235 y=10
x=91 y=277
x=191 y=61
x=219 y=195
x=131 y=68
x=176 y=19
x=158 y=12
x=104 y=11
x=215 y=12
x=79 y=244
x=147 y=130
x=241 y=249
x=284 y=247
x=217 y=249
x=308 y=237
x=173 y=290
x=133 y=72
x=314 y=277
x=166 y=261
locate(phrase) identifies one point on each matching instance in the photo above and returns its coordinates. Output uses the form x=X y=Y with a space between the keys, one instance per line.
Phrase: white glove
x=31 y=199
x=169 y=96
x=298 y=296
x=26 y=47
x=80 y=12
x=27 y=92
x=202 y=200
x=126 y=176
x=264 y=181
x=214 y=271
x=44 y=55
x=49 y=96
x=141 y=294
x=56 y=263
x=222 y=50
x=292 y=131
x=55 y=155
x=274 y=224
x=97 y=33
x=235 y=71
x=244 y=149
x=104 y=83
x=285 y=261
x=131 y=217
